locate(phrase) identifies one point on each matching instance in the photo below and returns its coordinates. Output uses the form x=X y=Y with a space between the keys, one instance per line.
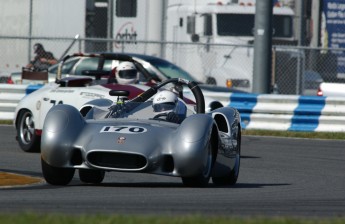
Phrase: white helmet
x=164 y=102
x=126 y=73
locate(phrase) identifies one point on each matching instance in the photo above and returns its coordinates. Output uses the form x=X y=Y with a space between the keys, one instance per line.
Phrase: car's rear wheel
x=201 y=179
x=91 y=176
x=56 y=175
x=28 y=140
x=232 y=176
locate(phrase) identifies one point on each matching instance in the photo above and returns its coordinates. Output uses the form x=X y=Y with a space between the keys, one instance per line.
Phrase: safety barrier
x=263 y=111
x=10 y=95
x=291 y=113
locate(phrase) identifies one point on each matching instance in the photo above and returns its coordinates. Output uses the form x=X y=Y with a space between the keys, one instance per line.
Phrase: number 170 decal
x=124 y=129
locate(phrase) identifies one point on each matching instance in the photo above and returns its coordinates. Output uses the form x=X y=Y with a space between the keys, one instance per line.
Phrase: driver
x=166 y=103
x=126 y=73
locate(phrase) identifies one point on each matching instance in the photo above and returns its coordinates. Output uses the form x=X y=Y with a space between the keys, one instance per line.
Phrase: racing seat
x=34 y=76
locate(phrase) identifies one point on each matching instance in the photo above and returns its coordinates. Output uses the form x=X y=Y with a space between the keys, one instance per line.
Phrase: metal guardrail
x=258 y=111
x=10 y=95
x=290 y=113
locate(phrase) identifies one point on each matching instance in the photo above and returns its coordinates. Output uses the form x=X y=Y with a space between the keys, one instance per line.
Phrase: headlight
x=237 y=83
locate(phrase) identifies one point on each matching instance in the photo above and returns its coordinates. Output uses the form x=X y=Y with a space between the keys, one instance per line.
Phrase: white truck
x=195 y=24
x=202 y=23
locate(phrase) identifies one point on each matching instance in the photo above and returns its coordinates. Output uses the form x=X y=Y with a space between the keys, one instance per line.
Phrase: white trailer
x=201 y=23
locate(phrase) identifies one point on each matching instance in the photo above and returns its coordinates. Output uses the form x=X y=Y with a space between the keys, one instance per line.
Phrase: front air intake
x=117 y=160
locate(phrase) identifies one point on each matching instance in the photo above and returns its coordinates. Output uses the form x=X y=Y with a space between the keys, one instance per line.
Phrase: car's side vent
x=221 y=122
x=85 y=110
x=76 y=158
x=168 y=164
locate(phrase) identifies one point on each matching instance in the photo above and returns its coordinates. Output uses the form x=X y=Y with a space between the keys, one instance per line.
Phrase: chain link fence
x=113 y=26
x=295 y=70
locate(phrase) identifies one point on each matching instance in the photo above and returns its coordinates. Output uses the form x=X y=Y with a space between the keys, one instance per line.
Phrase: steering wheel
x=158 y=117
x=193 y=86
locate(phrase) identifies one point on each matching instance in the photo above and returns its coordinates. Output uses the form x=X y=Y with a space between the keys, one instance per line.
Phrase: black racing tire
x=91 y=176
x=56 y=175
x=232 y=176
x=202 y=179
x=28 y=140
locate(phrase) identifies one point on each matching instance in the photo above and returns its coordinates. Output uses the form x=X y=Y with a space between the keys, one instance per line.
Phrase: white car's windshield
x=169 y=70
x=76 y=66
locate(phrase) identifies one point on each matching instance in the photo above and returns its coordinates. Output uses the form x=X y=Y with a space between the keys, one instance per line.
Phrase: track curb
x=11 y=180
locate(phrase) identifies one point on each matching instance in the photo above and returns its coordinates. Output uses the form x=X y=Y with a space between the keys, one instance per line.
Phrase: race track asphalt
x=278 y=177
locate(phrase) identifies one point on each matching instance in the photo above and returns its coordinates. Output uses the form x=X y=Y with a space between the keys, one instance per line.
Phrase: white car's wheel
x=28 y=140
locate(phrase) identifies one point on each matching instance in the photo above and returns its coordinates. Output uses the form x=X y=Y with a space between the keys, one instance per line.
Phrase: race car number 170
x=124 y=129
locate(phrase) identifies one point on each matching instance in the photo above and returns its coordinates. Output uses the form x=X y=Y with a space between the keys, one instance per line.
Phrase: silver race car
x=151 y=133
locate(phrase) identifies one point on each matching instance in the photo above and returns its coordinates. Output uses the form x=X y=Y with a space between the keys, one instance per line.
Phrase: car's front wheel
x=56 y=175
x=202 y=179
x=232 y=176
x=28 y=140
x=91 y=176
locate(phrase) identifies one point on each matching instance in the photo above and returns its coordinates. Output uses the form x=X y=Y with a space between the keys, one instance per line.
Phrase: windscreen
x=142 y=110
x=243 y=25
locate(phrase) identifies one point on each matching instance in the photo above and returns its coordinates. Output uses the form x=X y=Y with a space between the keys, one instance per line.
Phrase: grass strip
x=9 y=122
x=293 y=134
x=31 y=218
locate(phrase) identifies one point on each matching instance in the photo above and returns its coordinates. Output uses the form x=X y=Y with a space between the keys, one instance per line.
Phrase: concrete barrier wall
x=264 y=111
